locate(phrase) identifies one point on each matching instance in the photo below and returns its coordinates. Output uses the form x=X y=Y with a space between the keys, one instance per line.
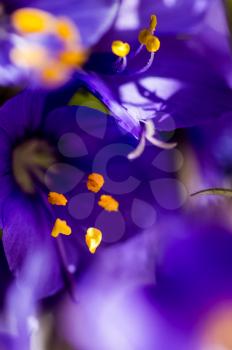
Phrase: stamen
x=54 y=73
x=60 y=227
x=108 y=203
x=93 y=239
x=121 y=64
x=120 y=49
x=147 y=34
x=153 y=23
x=66 y=30
x=95 y=182
x=144 y=34
x=214 y=191
x=30 y=21
x=152 y=44
x=73 y=57
x=55 y=198
x=139 y=49
x=148 y=134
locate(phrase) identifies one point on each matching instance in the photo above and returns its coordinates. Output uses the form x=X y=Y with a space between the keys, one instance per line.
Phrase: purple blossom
x=54 y=145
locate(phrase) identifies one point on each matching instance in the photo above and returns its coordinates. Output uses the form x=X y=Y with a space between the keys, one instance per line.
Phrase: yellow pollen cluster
x=93 y=235
x=93 y=239
x=31 y=21
x=61 y=227
x=153 y=44
x=120 y=49
x=51 y=69
x=55 y=198
x=95 y=182
x=147 y=38
x=153 y=23
x=108 y=203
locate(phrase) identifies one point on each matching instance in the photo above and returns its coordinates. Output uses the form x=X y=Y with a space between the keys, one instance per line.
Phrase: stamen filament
x=139 y=49
x=121 y=64
x=148 y=65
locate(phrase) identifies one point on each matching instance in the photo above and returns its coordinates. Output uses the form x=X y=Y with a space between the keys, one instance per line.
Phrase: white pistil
x=148 y=134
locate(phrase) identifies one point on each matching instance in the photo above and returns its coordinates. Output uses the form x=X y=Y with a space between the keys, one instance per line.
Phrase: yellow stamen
x=73 y=57
x=66 y=30
x=61 y=227
x=119 y=48
x=54 y=74
x=144 y=34
x=108 y=203
x=95 y=182
x=55 y=198
x=153 y=44
x=153 y=23
x=30 y=20
x=93 y=239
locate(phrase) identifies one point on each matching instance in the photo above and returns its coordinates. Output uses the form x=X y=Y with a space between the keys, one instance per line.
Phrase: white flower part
x=148 y=134
x=139 y=149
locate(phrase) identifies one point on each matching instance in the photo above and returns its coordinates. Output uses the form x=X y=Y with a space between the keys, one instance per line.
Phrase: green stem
x=214 y=191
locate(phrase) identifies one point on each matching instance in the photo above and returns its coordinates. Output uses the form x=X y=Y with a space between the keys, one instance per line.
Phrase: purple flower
x=180 y=287
x=48 y=42
x=57 y=142
x=186 y=84
x=20 y=322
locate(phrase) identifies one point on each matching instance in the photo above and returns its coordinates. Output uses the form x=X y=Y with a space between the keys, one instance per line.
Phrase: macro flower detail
x=93 y=239
x=95 y=182
x=55 y=198
x=108 y=203
x=148 y=134
x=146 y=38
x=61 y=227
x=58 y=146
x=115 y=174
x=120 y=49
x=46 y=45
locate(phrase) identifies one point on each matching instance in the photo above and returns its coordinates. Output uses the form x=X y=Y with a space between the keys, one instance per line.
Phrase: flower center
x=30 y=160
x=34 y=49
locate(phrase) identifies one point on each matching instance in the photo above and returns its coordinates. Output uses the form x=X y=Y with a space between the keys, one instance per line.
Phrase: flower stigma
x=148 y=134
x=93 y=239
x=61 y=227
